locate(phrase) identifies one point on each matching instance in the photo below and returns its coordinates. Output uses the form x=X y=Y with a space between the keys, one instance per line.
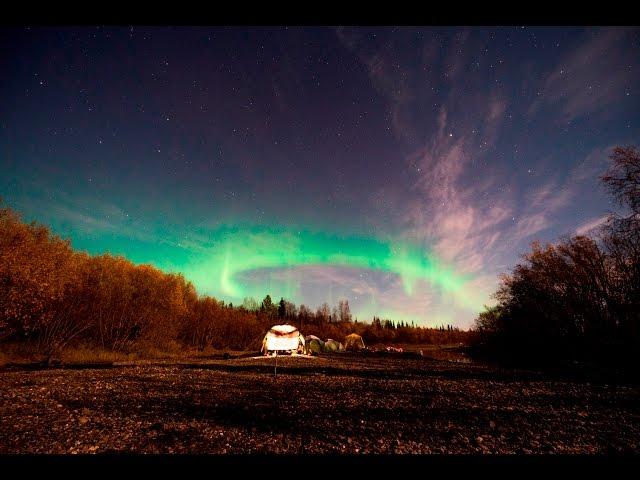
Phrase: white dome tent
x=283 y=339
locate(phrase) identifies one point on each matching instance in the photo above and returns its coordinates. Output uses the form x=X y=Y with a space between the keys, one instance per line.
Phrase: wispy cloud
x=447 y=208
x=388 y=76
x=591 y=225
x=88 y=216
x=446 y=212
x=592 y=77
x=455 y=202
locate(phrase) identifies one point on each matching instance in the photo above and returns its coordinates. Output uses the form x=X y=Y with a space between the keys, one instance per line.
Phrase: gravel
x=337 y=404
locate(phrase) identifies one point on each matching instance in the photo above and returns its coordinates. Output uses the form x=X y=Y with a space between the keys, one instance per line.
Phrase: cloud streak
x=579 y=89
x=591 y=225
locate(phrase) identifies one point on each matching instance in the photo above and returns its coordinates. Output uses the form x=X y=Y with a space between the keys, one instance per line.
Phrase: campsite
x=330 y=403
x=319 y=239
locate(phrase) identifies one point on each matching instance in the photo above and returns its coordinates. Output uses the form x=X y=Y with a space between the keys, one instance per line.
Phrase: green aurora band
x=216 y=263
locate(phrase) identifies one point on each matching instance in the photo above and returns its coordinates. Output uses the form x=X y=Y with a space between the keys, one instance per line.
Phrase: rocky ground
x=337 y=404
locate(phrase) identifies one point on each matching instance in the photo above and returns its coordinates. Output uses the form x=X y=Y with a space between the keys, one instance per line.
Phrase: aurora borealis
x=234 y=251
x=401 y=168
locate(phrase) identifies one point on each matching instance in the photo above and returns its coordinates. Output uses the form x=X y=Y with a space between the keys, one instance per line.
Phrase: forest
x=53 y=297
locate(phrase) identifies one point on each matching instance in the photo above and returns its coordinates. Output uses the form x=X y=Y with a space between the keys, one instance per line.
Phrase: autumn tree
x=39 y=275
x=250 y=304
x=580 y=297
x=268 y=308
x=622 y=238
x=324 y=312
x=622 y=180
x=344 y=312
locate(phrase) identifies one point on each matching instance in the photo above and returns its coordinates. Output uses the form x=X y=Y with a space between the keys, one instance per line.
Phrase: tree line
x=577 y=299
x=52 y=297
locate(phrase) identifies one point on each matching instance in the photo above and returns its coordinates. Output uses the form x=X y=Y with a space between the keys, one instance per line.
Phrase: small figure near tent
x=353 y=343
x=283 y=339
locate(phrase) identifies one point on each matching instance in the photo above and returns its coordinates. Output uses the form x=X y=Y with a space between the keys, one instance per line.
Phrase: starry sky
x=400 y=168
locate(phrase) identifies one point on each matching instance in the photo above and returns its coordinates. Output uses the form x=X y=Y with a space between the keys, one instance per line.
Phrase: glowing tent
x=283 y=339
x=314 y=344
x=353 y=342
x=332 y=346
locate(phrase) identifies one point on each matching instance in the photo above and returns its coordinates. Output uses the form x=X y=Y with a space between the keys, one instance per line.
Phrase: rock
x=83 y=420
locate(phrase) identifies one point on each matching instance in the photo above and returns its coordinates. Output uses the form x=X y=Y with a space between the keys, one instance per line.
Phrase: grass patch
x=87 y=354
x=4 y=358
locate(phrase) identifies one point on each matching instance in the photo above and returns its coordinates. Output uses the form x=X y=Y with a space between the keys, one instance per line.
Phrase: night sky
x=400 y=168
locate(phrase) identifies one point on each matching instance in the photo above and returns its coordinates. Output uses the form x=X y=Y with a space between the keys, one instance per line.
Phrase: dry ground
x=341 y=403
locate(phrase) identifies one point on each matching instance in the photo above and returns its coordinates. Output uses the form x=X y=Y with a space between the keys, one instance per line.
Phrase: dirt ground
x=332 y=404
